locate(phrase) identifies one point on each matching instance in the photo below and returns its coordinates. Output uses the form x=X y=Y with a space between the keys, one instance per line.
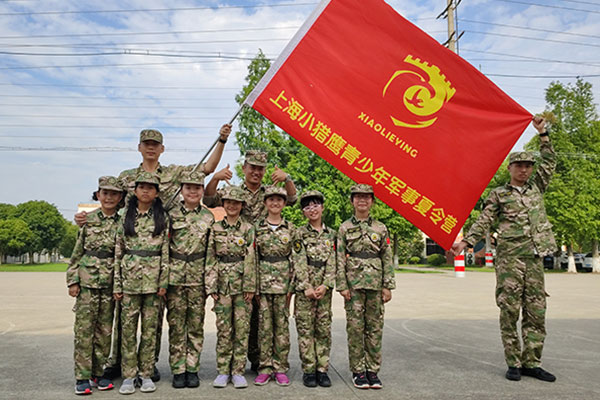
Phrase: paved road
x=441 y=341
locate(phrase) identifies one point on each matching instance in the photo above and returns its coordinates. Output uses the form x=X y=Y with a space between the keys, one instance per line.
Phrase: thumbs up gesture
x=278 y=175
x=224 y=174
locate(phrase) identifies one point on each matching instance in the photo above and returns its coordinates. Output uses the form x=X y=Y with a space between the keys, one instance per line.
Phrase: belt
x=230 y=259
x=144 y=253
x=274 y=258
x=316 y=263
x=363 y=254
x=188 y=257
x=100 y=253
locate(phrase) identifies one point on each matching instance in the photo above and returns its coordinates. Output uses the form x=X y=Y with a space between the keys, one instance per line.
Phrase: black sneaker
x=82 y=386
x=513 y=374
x=323 y=379
x=309 y=380
x=178 y=381
x=103 y=383
x=538 y=373
x=112 y=372
x=374 y=381
x=156 y=375
x=360 y=380
x=191 y=379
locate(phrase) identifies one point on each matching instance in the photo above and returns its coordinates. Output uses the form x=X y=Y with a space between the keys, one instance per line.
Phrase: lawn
x=49 y=267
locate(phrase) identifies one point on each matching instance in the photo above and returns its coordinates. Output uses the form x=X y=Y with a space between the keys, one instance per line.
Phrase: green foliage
x=436 y=259
x=68 y=242
x=414 y=260
x=15 y=235
x=7 y=211
x=46 y=223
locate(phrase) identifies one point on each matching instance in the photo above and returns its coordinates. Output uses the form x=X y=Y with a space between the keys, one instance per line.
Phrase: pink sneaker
x=281 y=379
x=262 y=379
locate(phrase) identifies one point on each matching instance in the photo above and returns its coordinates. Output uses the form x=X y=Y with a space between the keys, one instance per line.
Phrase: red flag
x=387 y=105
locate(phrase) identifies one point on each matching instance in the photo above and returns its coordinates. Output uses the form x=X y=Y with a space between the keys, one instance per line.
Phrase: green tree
x=15 y=235
x=308 y=169
x=46 y=223
x=68 y=242
x=7 y=211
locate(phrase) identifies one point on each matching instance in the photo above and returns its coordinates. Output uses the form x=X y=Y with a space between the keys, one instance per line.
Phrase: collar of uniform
x=141 y=169
x=185 y=211
x=226 y=225
x=310 y=228
x=283 y=223
x=260 y=188
x=356 y=221
x=147 y=214
x=103 y=216
x=527 y=185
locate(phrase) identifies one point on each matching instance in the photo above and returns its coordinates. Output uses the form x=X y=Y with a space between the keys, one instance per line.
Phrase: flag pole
x=237 y=113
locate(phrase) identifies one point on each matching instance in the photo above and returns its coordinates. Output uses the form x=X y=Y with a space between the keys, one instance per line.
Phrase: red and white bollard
x=459 y=266
x=489 y=260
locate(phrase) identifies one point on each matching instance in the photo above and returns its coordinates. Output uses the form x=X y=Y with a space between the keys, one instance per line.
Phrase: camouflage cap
x=234 y=193
x=256 y=157
x=312 y=193
x=361 y=188
x=151 y=134
x=526 y=156
x=275 y=191
x=196 y=178
x=109 y=183
x=147 y=177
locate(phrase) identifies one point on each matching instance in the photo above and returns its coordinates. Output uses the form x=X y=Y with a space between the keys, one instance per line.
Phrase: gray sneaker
x=147 y=385
x=127 y=387
x=221 y=381
x=239 y=382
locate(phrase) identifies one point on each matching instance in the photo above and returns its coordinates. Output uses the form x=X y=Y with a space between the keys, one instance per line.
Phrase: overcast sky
x=72 y=102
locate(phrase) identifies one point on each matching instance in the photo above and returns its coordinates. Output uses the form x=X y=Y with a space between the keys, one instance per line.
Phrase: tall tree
x=7 y=211
x=15 y=236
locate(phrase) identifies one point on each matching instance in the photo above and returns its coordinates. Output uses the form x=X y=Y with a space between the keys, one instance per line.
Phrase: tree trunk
x=595 y=257
x=571 y=268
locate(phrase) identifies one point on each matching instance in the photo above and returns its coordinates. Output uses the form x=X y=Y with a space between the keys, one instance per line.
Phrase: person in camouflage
x=90 y=280
x=141 y=276
x=365 y=278
x=255 y=164
x=525 y=237
x=190 y=224
x=231 y=281
x=274 y=239
x=314 y=281
x=151 y=147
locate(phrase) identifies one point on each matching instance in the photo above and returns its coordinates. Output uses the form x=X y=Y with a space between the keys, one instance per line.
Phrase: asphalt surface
x=441 y=341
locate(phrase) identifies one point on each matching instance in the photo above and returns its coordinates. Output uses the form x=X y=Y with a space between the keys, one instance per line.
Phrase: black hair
x=310 y=200
x=95 y=195
x=158 y=212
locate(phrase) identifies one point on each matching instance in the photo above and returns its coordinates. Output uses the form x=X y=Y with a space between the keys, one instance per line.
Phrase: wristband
x=288 y=178
x=545 y=133
x=222 y=140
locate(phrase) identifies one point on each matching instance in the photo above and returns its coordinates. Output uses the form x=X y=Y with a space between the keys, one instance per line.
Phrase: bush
x=414 y=260
x=436 y=259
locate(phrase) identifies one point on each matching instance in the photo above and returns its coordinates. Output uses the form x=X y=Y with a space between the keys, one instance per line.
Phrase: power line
x=155 y=9
x=533 y=38
x=127 y=52
x=114 y=65
x=552 y=6
x=530 y=28
x=85 y=97
x=116 y=106
x=121 y=86
x=547 y=60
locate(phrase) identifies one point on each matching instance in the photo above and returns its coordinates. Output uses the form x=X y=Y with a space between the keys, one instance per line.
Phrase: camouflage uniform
x=313 y=317
x=141 y=268
x=365 y=267
x=91 y=267
x=186 y=296
x=253 y=210
x=525 y=237
x=231 y=272
x=275 y=273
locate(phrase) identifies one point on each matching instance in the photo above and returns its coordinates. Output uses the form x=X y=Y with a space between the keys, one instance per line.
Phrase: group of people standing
x=140 y=253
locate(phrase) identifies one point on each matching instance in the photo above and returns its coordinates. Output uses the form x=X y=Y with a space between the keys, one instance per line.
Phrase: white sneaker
x=147 y=385
x=127 y=387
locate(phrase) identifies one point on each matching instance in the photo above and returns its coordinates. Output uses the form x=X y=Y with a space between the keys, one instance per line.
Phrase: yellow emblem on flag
x=425 y=98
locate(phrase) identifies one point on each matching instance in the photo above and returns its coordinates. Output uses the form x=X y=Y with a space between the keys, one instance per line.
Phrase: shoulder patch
x=297 y=245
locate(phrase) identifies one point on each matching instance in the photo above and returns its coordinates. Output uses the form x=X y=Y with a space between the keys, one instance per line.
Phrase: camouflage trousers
x=520 y=288
x=93 y=322
x=364 y=328
x=233 y=325
x=185 y=315
x=134 y=359
x=313 y=323
x=273 y=333
x=253 y=348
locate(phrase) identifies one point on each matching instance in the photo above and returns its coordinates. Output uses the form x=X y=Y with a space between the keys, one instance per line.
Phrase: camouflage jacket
x=320 y=264
x=230 y=260
x=189 y=237
x=364 y=256
x=169 y=176
x=92 y=260
x=275 y=277
x=524 y=229
x=254 y=206
x=139 y=274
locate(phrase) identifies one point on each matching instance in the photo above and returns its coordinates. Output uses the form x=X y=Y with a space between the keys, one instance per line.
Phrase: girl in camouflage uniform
x=141 y=276
x=90 y=279
x=231 y=281
x=186 y=298
x=274 y=238
x=314 y=280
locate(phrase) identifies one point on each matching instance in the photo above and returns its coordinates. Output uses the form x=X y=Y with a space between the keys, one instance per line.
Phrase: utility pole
x=449 y=14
